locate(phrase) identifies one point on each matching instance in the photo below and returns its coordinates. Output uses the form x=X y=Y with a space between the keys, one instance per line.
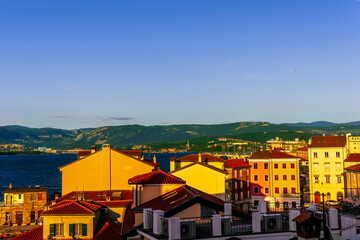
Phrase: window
x=266 y=178
x=284 y=177
x=39 y=196
x=276 y=177
x=284 y=165
x=226 y=185
x=338 y=179
x=235 y=185
x=241 y=195
x=293 y=190
x=255 y=166
x=241 y=184
x=276 y=190
x=315 y=155
x=326 y=154
x=292 y=177
x=327 y=179
x=327 y=166
x=227 y=197
x=248 y=183
x=316 y=167
x=57 y=229
x=32 y=197
x=285 y=190
x=256 y=190
x=8 y=217
x=177 y=164
x=32 y=216
x=20 y=196
x=293 y=204
x=255 y=178
x=266 y=165
x=236 y=196
x=241 y=173
x=276 y=165
x=235 y=173
x=337 y=154
x=266 y=190
x=247 y=172
x=316 y=179
x=292 y=165
x=338 y=166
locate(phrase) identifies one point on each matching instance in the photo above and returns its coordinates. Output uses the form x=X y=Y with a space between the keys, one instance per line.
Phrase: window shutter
x=71 y=230
x=84 y=229
x=52 y=230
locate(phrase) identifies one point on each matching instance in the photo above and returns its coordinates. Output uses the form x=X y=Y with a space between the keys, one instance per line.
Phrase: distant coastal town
x=282 y=189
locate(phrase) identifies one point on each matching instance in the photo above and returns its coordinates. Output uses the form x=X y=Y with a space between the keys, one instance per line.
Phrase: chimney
x=154 y=159
x=93 y=148
x=10 y=185
x=56 y=196
x=200 y=157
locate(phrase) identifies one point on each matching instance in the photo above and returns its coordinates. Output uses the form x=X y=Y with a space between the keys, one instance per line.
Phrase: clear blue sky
x=76 y=64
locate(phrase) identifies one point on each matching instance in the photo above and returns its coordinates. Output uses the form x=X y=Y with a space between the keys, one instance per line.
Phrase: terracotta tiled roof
x=33 y=234
x=107 y=229
x=97 y=195
x=303 y=149
x=304 y=216
x=327 y=141
x=236 y=163
x=355 y=168
x=156 y=177
x=184 y=197
x=354 y=157
x=270 y=155
x=83 y=153
x=195 y=158
x=114 y=204
x=202 y=164
x=73 y=208
x=24 y=189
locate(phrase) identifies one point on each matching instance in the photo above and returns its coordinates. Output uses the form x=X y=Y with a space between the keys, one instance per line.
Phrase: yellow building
x=201 y=157
x=106 y=169
x=204 y=177
x=352 y=143
x=326 y=165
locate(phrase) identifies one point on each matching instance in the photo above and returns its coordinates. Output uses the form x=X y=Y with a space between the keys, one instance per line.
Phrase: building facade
x=22 y=205
x=326 y=166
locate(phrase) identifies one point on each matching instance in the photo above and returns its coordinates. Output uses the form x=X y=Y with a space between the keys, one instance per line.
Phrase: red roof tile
x=270 y=155
x=83 y=153
x=73 y=208
x=107 y=229
x=178 y=197
x=97 y=195
x=354 y=157
x=236 y=163
x=355 y=168
x=304 y=216
x=202 y=164
x=156 y=177
x=195 y=158
x=33 y=234
x=327 y=141
x=303 y=149
x=114 y=204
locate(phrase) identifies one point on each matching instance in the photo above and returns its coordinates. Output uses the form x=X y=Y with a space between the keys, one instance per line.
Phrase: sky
x=79 y=64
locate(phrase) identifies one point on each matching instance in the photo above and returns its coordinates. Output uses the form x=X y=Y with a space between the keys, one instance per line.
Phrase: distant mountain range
x=123 y=136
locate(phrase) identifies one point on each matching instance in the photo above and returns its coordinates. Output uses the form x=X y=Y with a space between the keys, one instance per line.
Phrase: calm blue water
x=43 y=170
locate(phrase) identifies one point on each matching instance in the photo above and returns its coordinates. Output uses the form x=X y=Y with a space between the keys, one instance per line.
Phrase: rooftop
x=354 y=168
x=195 y=158
x=327 y=141
x=201 y=164
x=354 y=157
x=236 y=163
x=271 y=155
x=73 y=208
x=24 y=189
x=156 y=177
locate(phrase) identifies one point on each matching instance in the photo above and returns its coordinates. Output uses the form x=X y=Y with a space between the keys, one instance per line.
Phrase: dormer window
x=177 y=164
